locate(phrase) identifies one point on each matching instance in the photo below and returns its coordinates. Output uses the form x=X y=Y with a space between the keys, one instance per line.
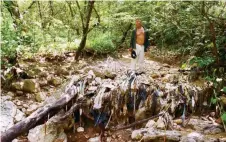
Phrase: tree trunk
x=85 y=30
x=215 y=52
x=125 y=34
x=40 y=14
x=51 y=7
x=13 y=9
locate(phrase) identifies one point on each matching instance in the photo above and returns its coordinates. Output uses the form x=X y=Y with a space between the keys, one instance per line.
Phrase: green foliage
x=223 y=117
x=102 y=44
x=213 y=100
x=10 y=38
x=202 y=61
x=224 y=89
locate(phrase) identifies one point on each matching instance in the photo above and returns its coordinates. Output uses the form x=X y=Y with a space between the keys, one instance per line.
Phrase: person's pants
x=138 y=62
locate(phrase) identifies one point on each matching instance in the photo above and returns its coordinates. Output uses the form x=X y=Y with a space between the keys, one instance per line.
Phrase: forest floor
x=51 y=71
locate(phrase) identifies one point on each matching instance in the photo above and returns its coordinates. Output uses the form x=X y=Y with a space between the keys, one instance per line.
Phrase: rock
x=64 y=71
x=160 y=123
x=24 y=110
x=49 y=133
x=10 y=94
x=213 y=129
x=43 y=82
x=19 y=93
x=19 y=115
x=17 y=85
x=56 y=81
x=92 y=88
x=98 y=80
x=95 y=139
x=113 y=136
x=151 y=134
x=86 y=136
x=18 y=103
x=43 y=74
x=108 y=139
x=150 y=124
x=61 y=71
x=211 y=139
x=31 y=73
x=8 y=111
x=198 y=124
x=31 y=109
x=30 y=85
x=5 y=98
x=178 y=121
x=222 y=139
x=140 y=114
x=80 y=129
x=110 y=75
x=223 y=100
x=15 y=140
x=40 y=96
x=166 y=65
x=138 y=134
x=212 y=114
x=155 y=75
x=193 y=137
x=61 y=138
x=91 y=74
x=25 y=105
x=172 y=135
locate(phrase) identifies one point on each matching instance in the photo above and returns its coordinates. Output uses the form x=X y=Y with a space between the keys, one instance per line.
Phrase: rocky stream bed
x=104 y=85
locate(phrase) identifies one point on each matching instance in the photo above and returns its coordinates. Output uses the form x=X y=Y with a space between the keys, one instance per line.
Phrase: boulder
x=193 y=137
x=31 y=109
x=30 y=85
x=56 y=81
x=155 y=75
x=19 y=93
x=48 y=133
x=140 y=114
x=223 y=100
x=95 y=139
x=43 y=82
x=138 y=134
x=17 y=85
x=160 y=123
x=8 y=111
x=43 y=74
x=40 y=96
x=5 y=98
x=213 y=129
x=150 y=124
x=10 y=94
x=205 y=126
x=151 y=134
x=19 y=115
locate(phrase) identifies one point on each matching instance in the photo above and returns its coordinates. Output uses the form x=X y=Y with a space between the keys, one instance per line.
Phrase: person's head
x=138 y=23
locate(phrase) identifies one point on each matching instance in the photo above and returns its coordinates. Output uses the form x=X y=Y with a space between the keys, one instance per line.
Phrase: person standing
x=139 y=44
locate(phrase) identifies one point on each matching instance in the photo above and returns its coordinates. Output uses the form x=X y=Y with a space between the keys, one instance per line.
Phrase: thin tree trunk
x=51 y=7
x=85 y=29
x=13 y=9
x=125 y=34
x=214 y=42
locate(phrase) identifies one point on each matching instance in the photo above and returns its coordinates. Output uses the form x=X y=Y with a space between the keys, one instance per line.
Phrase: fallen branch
x=39 y=116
